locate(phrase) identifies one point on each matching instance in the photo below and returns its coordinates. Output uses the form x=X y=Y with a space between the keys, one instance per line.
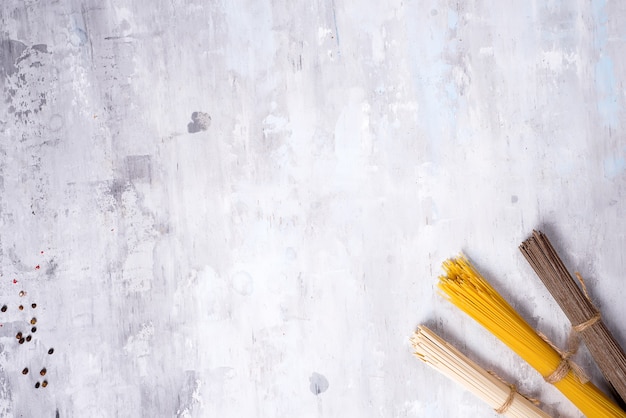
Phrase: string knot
x=566 y=363
x=508 y=402
x=512 y=392
x=595 y=318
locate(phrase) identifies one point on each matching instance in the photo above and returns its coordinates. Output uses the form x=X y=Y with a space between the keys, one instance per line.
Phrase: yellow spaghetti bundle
x=471 y=293
x=449 y=361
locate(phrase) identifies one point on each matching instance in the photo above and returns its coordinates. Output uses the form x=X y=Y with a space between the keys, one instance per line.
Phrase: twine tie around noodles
x=513 y=391
x=509 y=401
x=566 y=363
x=595 y=318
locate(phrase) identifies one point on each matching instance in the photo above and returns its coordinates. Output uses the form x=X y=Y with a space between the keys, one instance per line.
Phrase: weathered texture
x=271 y=256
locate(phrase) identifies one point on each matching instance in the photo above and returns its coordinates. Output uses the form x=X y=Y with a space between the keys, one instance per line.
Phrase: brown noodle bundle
x=583 y=315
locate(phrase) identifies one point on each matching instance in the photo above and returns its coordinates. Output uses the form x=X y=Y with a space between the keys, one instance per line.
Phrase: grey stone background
x=240 y=208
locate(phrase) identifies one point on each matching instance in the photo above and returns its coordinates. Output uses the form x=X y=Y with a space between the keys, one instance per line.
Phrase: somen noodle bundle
x=502 y=397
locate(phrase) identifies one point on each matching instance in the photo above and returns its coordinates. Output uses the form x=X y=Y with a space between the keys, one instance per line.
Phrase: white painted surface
x=275 y=264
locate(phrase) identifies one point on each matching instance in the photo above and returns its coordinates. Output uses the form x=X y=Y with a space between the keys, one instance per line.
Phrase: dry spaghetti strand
x=469 y=291
x=498 y=394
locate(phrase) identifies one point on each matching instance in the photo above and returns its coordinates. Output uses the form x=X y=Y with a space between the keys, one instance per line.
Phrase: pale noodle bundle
x=471 y=293
x=499 y=395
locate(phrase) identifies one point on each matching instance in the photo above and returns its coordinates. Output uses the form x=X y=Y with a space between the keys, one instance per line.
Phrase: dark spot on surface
x=52 y=268
x=34 y=305
x=33 y=321
x=25 y=371
x=37 y=385
x=33 y=329
x=28 y=338
x=4 y=308
x=19 y=335
x=318 y=384
x=514 y=199
x=43 y=371
x=51 y=351
x=200 y=121
x=21 y=307
x=10 y=52
x=138 y=167
x=21 y=341
x=40 y=47
x=45 y=383
x=117 y=188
